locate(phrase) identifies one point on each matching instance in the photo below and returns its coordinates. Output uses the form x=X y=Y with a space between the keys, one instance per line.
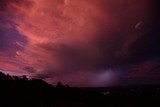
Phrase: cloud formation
x=79 y=40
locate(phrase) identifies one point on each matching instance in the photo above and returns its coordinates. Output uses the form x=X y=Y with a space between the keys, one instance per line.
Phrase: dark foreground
x=21 y=92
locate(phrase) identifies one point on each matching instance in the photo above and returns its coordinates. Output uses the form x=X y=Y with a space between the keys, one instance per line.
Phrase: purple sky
x=81 y=42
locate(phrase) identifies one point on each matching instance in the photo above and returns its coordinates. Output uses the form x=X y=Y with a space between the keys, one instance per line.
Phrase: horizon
x=88 y=87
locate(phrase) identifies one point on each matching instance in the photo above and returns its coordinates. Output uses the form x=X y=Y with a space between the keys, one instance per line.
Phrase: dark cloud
x=142 y=73
x=122 y=45
x=29 y=69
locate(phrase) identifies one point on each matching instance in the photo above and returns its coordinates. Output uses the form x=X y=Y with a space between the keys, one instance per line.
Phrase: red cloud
x=68 y=36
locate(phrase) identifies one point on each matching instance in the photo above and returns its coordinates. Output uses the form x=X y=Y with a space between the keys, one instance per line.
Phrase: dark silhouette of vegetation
x=23 y=92
x=59 y=85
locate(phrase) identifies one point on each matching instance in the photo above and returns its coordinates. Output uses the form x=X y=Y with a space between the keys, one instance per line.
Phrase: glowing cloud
x=76 y=38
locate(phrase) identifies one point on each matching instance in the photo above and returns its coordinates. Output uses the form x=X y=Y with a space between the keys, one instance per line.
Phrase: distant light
x=104 y=78
x=106 y=93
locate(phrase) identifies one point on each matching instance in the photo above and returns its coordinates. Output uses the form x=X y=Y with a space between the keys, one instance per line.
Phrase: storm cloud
x=75 y=41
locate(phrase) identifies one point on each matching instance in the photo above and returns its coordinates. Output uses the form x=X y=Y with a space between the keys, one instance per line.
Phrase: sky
x=84 y=43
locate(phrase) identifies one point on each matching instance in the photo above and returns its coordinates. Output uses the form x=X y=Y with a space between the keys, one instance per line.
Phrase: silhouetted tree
x=59 y=85
x=18 y=91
